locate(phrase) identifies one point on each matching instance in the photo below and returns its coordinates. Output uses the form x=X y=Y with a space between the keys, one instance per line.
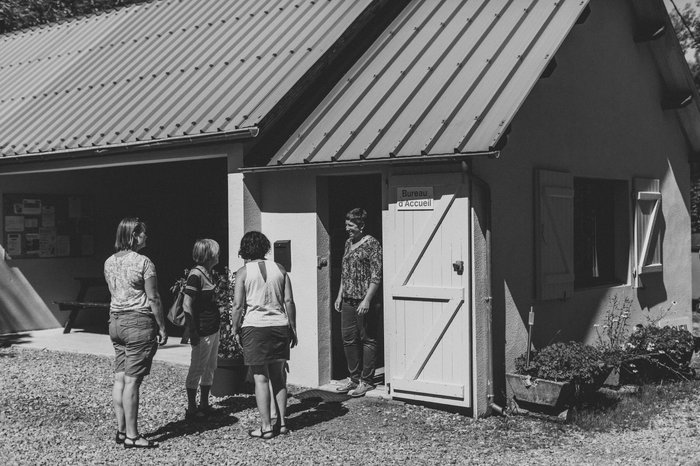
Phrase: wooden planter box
x=230 y=378
x=540 y=391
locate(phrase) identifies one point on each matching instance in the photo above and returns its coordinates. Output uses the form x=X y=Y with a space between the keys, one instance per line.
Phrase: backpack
x=176 y=313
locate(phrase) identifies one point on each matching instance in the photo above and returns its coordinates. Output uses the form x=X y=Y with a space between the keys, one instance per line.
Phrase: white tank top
x=264 y=299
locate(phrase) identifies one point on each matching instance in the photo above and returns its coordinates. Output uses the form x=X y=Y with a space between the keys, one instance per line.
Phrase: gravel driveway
x=55 y=408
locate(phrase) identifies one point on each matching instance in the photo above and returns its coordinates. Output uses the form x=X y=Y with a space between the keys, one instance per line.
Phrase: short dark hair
x=128 y=229
x=358 y=216
x=254 y=245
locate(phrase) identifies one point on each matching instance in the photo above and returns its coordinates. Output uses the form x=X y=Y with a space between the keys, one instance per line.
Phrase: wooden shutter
x=554 y=235
x=647 y=240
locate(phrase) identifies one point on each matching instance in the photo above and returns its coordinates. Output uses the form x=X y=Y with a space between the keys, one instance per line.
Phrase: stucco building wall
x=598 y=115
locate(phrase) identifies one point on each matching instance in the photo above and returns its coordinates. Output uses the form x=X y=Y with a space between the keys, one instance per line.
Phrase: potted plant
x=231 y=374
x=558 y=375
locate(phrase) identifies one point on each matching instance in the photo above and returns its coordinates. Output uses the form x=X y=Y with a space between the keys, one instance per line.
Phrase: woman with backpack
x=203 y=320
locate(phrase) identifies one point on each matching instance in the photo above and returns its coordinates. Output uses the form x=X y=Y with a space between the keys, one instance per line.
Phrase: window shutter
x=647 y=240
x=554 y=238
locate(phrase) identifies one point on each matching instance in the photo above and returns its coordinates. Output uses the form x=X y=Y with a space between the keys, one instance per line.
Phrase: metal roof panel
x=446 y=76
x=159 y=70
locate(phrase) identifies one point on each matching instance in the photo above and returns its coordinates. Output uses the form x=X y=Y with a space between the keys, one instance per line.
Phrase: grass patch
x=613 y=411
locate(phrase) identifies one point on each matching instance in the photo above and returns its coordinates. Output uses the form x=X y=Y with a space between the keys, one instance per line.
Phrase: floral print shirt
x=126 y=277
x=361 y=266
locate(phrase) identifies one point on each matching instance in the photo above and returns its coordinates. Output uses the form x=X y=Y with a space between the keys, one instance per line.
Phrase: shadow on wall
x=21 y=308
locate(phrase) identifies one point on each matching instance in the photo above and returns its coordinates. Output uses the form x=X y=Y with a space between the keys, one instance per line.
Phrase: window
x=601 y=238
x=583 y=236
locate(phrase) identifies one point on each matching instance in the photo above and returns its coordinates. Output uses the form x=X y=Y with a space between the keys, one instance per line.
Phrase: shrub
x=566 y=362
x=665 y=350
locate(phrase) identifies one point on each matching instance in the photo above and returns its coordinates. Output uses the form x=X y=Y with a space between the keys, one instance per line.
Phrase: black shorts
x=265 y=345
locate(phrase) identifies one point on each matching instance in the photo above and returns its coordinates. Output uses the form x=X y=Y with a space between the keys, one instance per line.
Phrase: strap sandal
x=261 y=434
x=281 y=429
x=131 y=442
x=119 y=437
x=284 y=430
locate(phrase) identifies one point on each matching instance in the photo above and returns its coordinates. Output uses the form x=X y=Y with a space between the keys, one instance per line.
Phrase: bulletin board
x=47 y=225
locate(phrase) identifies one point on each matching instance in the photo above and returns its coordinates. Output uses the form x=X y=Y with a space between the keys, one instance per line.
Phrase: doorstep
x=380 y=391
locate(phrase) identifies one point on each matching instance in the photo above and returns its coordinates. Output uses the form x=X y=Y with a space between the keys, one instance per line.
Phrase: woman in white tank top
x=263 y=295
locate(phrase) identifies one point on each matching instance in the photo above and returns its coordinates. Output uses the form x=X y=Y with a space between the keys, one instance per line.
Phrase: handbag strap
x=202 y=273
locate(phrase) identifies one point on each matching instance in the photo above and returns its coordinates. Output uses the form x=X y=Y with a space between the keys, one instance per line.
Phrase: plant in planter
x=558 y=375
x=231 y=374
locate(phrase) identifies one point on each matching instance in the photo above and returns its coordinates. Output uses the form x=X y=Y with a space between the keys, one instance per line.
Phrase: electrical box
x=283 y=254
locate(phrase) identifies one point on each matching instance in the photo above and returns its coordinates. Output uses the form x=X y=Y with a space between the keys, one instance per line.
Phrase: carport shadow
x=315 y=407
x=221 y=417
x=12 y=339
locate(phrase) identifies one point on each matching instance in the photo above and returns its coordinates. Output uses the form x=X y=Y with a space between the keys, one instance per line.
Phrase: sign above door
x=414 y=198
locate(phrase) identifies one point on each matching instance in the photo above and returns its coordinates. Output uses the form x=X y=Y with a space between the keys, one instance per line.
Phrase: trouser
x=203 y=361
x=359 y=341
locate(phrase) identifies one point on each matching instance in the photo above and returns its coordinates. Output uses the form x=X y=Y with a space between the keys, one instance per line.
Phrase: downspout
x=483 y=187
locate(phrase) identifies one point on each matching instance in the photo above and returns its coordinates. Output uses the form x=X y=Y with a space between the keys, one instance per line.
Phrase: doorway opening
x=344 y=194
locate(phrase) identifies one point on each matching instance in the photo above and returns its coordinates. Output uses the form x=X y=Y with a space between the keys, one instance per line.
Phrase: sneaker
x=346 y=387
x=361 y=390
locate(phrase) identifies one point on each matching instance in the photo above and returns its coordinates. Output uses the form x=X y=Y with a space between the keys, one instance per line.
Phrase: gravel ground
x=55 y=408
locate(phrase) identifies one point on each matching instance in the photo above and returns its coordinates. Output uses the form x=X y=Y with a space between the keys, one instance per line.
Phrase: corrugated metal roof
x=446 y=77
x=159 y=70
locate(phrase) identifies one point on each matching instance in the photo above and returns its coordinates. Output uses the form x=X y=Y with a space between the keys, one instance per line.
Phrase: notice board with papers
x=47 y=225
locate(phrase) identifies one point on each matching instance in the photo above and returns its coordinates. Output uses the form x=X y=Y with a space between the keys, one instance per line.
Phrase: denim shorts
x=134 y=336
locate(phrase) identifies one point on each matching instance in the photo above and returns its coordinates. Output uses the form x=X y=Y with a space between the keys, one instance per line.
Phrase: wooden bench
x=86 y=283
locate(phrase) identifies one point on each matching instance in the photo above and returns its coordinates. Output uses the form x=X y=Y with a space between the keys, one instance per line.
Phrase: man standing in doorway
x=360 y=279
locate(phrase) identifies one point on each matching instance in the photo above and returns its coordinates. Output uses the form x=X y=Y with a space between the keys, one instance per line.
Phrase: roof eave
x=364 y=163
x=139 y=146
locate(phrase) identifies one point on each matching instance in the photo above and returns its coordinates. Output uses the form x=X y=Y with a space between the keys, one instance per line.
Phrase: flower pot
x=230 y=378
x=541 y=391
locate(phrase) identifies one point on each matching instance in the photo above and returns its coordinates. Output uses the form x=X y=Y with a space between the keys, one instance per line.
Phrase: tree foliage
x=687 y=28
x=19 y=14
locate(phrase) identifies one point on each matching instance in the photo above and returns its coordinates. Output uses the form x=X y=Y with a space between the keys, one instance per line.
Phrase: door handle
x=321 y=262
x=458 y=266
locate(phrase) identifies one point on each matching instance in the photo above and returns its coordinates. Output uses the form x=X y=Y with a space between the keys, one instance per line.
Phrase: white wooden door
x=426 y=289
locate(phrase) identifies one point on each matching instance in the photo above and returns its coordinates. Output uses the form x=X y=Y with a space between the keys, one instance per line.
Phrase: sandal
x=119 y=437
x=262 y=434
x=284 y=430
x=133 y=444
x=281 y=428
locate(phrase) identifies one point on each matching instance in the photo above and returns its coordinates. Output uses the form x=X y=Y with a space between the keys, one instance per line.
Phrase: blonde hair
x=204 y=250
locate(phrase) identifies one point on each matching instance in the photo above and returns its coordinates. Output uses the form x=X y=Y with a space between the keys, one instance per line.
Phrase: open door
x=426 y=289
